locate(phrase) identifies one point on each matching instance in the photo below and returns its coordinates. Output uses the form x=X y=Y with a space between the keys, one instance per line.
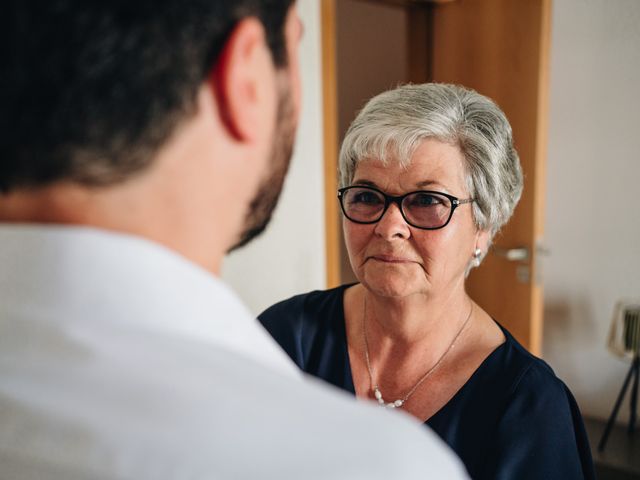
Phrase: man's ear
x=242 y=79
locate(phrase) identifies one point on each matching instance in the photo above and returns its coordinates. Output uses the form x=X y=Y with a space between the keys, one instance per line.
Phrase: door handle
x=518 y=254
x=522 y=255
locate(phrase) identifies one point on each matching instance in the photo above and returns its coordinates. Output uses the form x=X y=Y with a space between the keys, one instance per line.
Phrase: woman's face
x=392 y=258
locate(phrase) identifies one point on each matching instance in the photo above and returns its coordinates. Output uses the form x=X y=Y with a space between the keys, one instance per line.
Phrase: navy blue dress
x=513 y=419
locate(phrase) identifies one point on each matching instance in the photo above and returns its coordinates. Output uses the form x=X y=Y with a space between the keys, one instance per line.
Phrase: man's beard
x=264 y=202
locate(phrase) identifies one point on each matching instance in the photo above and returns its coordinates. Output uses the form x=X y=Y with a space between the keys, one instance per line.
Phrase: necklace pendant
x=376 y=393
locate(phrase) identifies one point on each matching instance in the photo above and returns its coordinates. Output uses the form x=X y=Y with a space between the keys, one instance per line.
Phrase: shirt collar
x=78 y=274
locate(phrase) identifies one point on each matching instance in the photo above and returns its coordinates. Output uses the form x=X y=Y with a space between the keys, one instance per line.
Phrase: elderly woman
x=429 y=174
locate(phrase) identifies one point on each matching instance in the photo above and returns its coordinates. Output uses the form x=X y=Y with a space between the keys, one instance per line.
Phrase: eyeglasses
x=421 y=209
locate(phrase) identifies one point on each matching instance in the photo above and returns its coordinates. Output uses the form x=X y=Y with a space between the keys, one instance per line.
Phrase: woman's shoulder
x=302 y=321
x=511 y=378
x=303 y=307
x=528 y=372
x=539 y=398
x=540 y=405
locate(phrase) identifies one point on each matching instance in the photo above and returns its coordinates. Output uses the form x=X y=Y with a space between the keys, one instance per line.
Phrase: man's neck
x=125 y=208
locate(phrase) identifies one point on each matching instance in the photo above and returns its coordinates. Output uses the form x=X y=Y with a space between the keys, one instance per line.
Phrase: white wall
x=290 y=257
x=593 y=192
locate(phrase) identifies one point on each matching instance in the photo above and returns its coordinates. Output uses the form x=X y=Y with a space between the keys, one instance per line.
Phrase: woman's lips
x=391 y=259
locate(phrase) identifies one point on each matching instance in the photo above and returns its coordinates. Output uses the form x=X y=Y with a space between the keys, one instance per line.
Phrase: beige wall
x=593 y=192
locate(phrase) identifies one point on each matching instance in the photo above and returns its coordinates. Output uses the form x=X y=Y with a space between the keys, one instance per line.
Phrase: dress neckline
x=489 y=359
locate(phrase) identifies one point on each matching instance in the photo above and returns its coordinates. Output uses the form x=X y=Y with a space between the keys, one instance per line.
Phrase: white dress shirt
x=121 y=360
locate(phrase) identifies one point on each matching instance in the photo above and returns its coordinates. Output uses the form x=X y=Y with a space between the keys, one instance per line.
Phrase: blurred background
x=566 y=73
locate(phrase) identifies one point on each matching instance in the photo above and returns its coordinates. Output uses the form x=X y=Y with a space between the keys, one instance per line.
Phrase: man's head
x=95 y=94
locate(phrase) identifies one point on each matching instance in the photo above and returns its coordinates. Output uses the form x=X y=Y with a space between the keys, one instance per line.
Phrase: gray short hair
x=393 y=124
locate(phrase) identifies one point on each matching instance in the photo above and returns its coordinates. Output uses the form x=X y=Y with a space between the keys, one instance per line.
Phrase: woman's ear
x=483 y=242
x=243 y=81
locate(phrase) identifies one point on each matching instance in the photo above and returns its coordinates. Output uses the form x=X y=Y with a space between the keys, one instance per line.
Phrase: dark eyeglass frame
x=398 y=199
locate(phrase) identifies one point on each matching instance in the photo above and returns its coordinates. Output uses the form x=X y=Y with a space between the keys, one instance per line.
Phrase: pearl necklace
x=374 y=386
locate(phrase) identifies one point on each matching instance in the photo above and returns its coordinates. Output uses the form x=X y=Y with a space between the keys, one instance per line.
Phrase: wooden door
x=499 y=48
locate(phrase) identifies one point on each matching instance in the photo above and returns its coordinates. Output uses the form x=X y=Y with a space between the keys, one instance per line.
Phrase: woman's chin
x=392 y=286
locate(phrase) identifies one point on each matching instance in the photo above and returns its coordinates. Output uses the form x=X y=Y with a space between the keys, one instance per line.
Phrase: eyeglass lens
x=422 y=209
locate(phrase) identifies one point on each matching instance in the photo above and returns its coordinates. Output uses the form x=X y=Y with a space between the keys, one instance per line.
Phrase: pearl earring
x=476 y=257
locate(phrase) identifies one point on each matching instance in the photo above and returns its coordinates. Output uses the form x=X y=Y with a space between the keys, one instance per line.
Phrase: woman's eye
x=425 y=200
x=368 y=198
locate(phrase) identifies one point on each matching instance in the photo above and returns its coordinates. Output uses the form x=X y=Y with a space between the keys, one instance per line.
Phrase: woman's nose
x=392 y=224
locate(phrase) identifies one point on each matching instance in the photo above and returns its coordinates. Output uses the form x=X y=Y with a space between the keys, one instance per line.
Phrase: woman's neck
x=417 y=327
x=415 y=318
